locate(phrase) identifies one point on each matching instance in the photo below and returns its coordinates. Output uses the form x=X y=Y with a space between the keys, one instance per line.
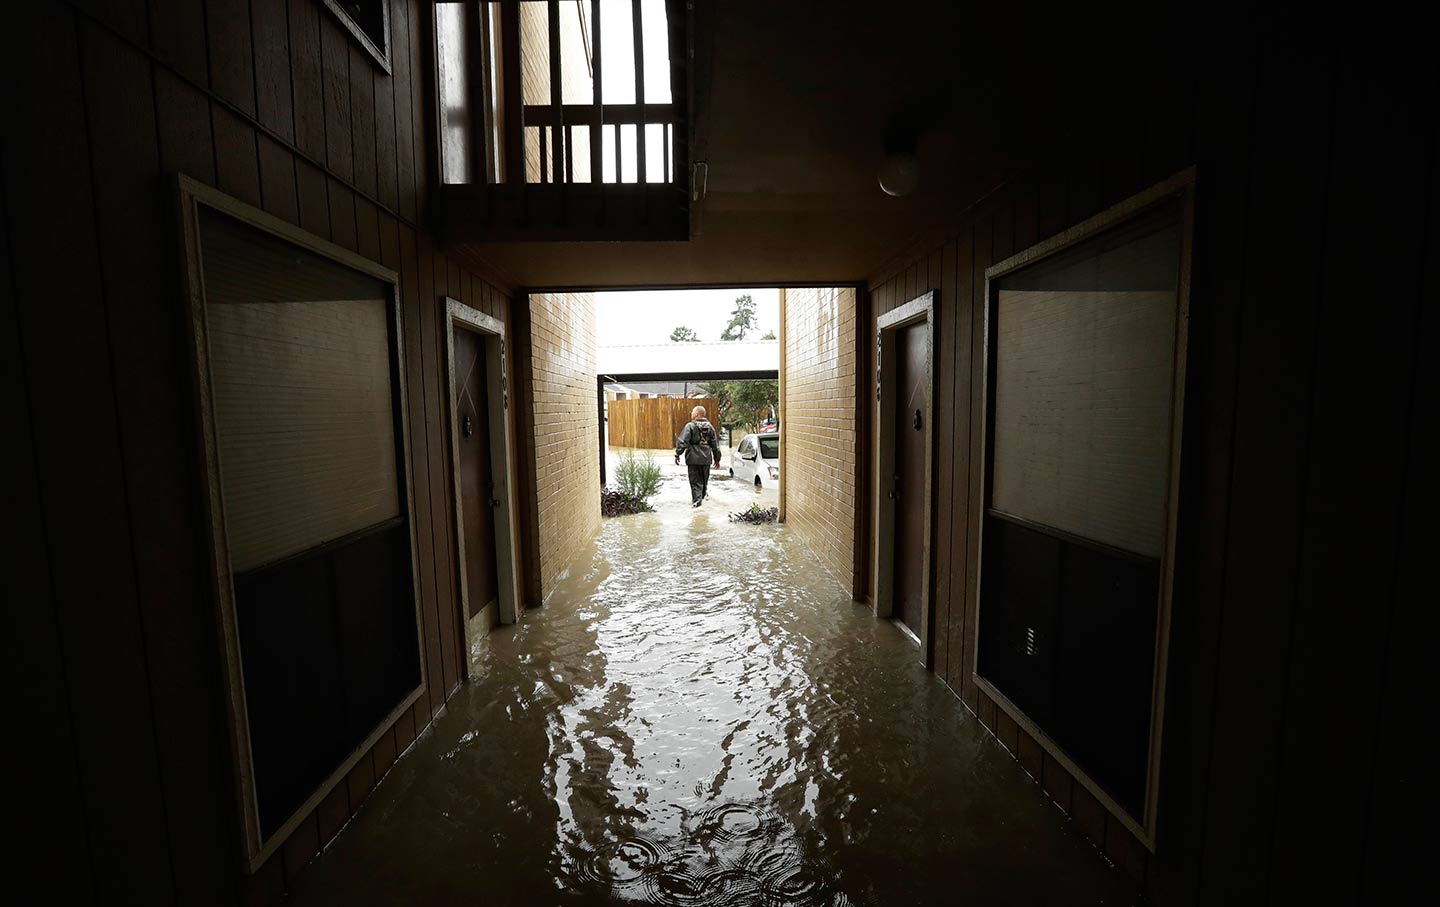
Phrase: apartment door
x=472 y=429
x=912 y=390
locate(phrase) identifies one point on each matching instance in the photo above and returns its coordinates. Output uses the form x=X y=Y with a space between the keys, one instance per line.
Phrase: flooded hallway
x=682 y=725
x=365 y=365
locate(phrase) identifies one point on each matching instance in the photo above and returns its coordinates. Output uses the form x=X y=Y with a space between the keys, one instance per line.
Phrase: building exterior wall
x=817 y=424
x=276 y=105
x=566 y=454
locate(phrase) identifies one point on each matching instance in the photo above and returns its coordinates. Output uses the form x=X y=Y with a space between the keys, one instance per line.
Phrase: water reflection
x=700 y=716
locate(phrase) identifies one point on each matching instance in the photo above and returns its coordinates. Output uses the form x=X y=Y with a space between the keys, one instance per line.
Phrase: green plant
x=743 y=403
x=638 y=477
x=754 y=514
x=742 y=320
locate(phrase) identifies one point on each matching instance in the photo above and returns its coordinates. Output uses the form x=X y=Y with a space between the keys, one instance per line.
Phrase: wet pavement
x=701 y=716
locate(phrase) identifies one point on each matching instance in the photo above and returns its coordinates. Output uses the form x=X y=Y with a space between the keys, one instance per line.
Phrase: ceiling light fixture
x=900 y=173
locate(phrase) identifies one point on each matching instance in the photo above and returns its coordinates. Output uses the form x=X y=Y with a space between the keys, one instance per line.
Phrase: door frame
x=887 y=329
x=459 y=316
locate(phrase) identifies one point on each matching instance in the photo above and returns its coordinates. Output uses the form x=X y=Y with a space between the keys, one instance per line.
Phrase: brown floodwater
x=701 y=716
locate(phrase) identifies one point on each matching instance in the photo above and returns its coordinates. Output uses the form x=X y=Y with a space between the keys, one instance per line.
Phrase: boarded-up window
x=1084 y=358
x=303 y=403
x=299 y=375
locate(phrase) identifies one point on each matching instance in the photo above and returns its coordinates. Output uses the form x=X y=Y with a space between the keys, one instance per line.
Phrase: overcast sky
x=648 y=316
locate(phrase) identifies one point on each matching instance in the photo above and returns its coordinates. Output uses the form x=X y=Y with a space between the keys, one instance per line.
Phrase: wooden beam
x=477 y=39
x=597 y=122
x=558 y=145
x=514 y=98
x=585 y=114
x=635 y=16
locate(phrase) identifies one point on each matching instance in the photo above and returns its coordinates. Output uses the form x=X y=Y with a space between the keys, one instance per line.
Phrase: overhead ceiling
x=792 y=102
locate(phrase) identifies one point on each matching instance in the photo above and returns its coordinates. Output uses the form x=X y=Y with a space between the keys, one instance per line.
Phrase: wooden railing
x=553 y=203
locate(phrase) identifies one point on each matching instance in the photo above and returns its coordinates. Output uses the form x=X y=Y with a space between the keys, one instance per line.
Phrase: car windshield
x=770 y=448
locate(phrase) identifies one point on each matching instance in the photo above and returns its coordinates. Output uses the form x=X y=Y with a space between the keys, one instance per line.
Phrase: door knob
x=917 y=420
x=466 y=428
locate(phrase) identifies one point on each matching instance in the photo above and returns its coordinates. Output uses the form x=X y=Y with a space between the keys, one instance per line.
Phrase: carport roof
x=688 y=358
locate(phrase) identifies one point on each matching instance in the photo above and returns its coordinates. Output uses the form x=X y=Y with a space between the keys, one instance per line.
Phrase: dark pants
x=699 y=482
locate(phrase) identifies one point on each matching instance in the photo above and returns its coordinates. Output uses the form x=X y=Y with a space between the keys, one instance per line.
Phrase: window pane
x=304 y=408
x=535 y=52
x=1084 y=366
x=629 y=154
x=617 y=51
x=655 y=157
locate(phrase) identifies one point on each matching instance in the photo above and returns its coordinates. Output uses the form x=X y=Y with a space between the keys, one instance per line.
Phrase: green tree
x=743 y=404
x=742 y=319
x=768 y=335
x=682 y=334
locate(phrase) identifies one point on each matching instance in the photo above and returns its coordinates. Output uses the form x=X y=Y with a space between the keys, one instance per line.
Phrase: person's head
x=697 y=413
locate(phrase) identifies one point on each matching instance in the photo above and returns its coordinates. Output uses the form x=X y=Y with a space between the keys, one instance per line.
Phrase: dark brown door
x=912 y=396
x=472 y=425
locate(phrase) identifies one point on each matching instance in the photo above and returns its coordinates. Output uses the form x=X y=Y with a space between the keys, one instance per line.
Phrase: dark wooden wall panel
x=958 y=377
x=54 y=846
x=307 y=84
x=64 y=329
x=335 y=80
x=1359 y=422
x=232 y=58
x=1281 y=287
x=1399 y=842
x=186 y=134
x=278 y=192
x=405 y=148
x=943 y=438
x=237 y=163
x=271 y=102
x=362 y=119
x=1224 y=117
x=274 y=99
x=133 y=216
x=1295 y=621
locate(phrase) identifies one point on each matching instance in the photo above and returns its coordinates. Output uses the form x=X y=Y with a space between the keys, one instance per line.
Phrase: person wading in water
x=699 y=445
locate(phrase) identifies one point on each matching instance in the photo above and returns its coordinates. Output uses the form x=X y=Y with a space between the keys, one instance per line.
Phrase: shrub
x=617 y=503
x=639 y=477
x=755 y=515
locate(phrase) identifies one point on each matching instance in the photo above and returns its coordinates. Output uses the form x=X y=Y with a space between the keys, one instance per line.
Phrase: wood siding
x=1294 y=659
x=273 y=103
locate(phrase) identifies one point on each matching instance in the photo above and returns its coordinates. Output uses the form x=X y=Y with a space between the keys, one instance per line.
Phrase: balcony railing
x=535 y=145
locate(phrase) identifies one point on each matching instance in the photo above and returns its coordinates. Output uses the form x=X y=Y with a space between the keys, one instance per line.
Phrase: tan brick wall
x=566 y=447
x=818 y=424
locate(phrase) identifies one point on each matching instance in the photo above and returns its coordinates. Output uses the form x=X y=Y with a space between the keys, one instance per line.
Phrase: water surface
x=701 y=716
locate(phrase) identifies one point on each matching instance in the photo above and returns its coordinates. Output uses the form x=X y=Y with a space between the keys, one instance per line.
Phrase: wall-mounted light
x=900 y=173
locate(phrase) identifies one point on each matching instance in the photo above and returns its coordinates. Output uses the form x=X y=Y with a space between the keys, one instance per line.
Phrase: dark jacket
x=698 y=444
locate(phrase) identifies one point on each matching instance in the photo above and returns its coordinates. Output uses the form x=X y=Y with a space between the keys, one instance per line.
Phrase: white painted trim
x=502 y=463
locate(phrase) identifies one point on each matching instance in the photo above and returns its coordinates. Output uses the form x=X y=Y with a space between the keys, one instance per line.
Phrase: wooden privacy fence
x=654 y=422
